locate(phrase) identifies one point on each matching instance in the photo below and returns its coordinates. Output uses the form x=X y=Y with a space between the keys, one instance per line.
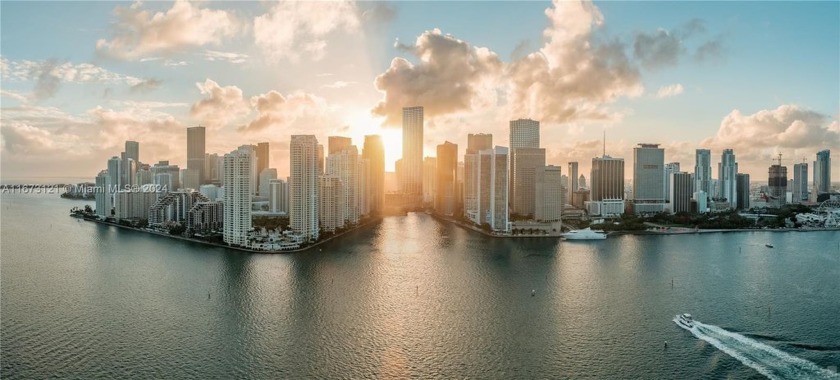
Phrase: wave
x=767 y=360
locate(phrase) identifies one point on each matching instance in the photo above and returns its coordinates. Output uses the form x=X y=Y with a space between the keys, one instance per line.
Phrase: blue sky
x=758 y=77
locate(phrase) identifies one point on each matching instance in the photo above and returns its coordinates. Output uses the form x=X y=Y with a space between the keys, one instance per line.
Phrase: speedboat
x=685 y=321
x=769 y=245
x=585 y=234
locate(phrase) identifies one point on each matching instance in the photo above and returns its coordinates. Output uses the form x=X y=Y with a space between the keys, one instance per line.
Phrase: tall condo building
x=548 y=202
x=727 y=170
x=742 y=186
x=238 y=166
x=447 y=177
x=254 y=176
x=648 y=179
x=475 y=144
x=670 y=168
x=331 y=203
x=212 y=168
x=429 y=179
x=524 y=133
x=336 y=144
x=321 y=159
x=777 y=184
x=132 y=150
x=266 y=175
x=607 y=179
x=574 y=184
x=374 y=152
x=262 y=164
x=344 y=164
x=196 y=151
x=524 y=164
x=800 y=183
x=278 y=200
x=303 y=186
x=703 y=170
x=103 y=194
x=680 y=192
x=115 y=173
x=412 y=155
x=822 y=173
x=164 y=174
x=493 y=167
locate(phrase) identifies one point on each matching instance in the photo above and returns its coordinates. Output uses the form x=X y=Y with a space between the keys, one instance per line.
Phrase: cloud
x=295 y=28
x=451 y=76
x=657 y=50
x=786 y=127
x=172 y=63
x=710 y=50
x=278 y=111
x=221 y=104
x=669 y=91
x=379 y=13
x=338 y=84
x=116 y=126
x=23 y=139
x=146 y=85
x=14 y=95
x=139 y=33
x=48 y=75
x=212 y=55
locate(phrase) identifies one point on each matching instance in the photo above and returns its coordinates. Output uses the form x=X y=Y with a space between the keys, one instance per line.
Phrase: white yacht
x=685 y=321
x=585 y=234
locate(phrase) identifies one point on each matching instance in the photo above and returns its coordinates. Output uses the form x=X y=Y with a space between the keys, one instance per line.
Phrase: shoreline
x=222 y=245
x=485 y=233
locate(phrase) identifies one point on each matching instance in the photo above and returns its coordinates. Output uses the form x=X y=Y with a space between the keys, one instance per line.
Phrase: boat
x=769 y=245
x=585 y=234
x=685 y=321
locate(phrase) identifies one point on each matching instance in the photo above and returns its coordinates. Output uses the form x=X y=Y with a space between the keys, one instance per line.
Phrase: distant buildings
x=266 y=176
x=332 y=207
x=607 y=179
x=374 y=152
x=493 y=167
x=278 y=198
x=742 y=186
x=524 y=164
x=344 y=163
x=303 y=187
x=524 y=133
x=263 y=163
x=238 y=167
x=574 y=183
x=446 y=191
x=429 y=179
x=103 y=194
x=195 y=154
x=475 y=144
x=411 y=176
x=132 y=204
x=670 y=168
x=800 y=183
x=680 y=192
x=548 y=205
x=703 y=171
x=777 y=185
x=727 y=170
x=648 y=179
x=822 y=173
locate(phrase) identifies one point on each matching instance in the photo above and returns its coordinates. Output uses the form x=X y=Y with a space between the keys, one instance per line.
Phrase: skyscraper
x=800 y=183
x=549 y=194
x=196 y=151
x=574 y=184
x=262 y=164
x=670 y=168
x=524 y=133
x=303 y=186
x=238 y=166
x=278 y=199
x=321 y=159
x=103 y=194
x=115 y=172
x=777 y=184
x=742 y=184
x=822 y=173
x=524 y=164
x=331 y=206
x=344 y=164
x=447 y=177
x=336 y=144
x=132 y=150
x=429 y=179
x=412 y=155
x=703 y=170
x=475 y=144
x=680 y=192
x=648 y=179
x=727 y=170
x=374 y=151
x=479 y=141
x=493 y=167
x=607 y=178
x=266 y=175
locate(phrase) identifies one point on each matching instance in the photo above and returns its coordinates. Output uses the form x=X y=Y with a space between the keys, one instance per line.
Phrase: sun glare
x=363 y=124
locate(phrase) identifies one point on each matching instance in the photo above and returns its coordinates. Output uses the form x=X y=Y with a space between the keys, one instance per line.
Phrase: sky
x=80 y=78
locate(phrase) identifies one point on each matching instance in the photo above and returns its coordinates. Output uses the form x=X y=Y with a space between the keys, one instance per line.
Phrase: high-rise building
x=132 y=150
x=727 y=170
x=479 y=141
x=238 y=166
x=429 y=179
x=548 y=204
x=262 y=163
x=321 y=159
x=143 y=176
x=331 y=202
x=412 y=155
x=777 y=185
x=303 y=186
x=493 y=167
x=196 y=151
x=363 y=186
x=800 y=183
x=742 y=186
x=648 y=179
x=212 y=192
x=115 y=173
x=607 y=178
x=278 y=198
x=336 y=144
x=166 y=175
x=670 y=168
x=211 y=168
x=703 y=171
x=103 y=194
x=135 y=203
x=822 y=173
x=524 y=133
x=374 y=151
x=573 y=178
x=581 y=182
x=447 y=177
x=266 y=175
x=680 y=192
x=524 y=164
x=475 y=144
x=344 y=164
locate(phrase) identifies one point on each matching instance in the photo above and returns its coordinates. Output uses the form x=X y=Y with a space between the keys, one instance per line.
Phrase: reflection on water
x=409 y=296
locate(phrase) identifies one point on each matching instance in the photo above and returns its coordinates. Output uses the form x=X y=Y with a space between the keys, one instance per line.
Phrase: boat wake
x=769 y=361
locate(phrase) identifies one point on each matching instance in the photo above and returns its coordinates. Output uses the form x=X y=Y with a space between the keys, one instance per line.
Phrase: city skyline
x=65 y=116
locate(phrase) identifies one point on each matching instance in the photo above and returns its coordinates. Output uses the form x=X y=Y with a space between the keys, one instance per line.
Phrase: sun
x=362 y=123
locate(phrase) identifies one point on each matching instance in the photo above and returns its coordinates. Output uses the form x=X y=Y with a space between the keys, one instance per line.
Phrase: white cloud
x=212 y=55
x=220 y=106
x=48 y=75
x=277 y=111
x=139 y=33
x=669 y=91
x=295 y=28
x=339 y=84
